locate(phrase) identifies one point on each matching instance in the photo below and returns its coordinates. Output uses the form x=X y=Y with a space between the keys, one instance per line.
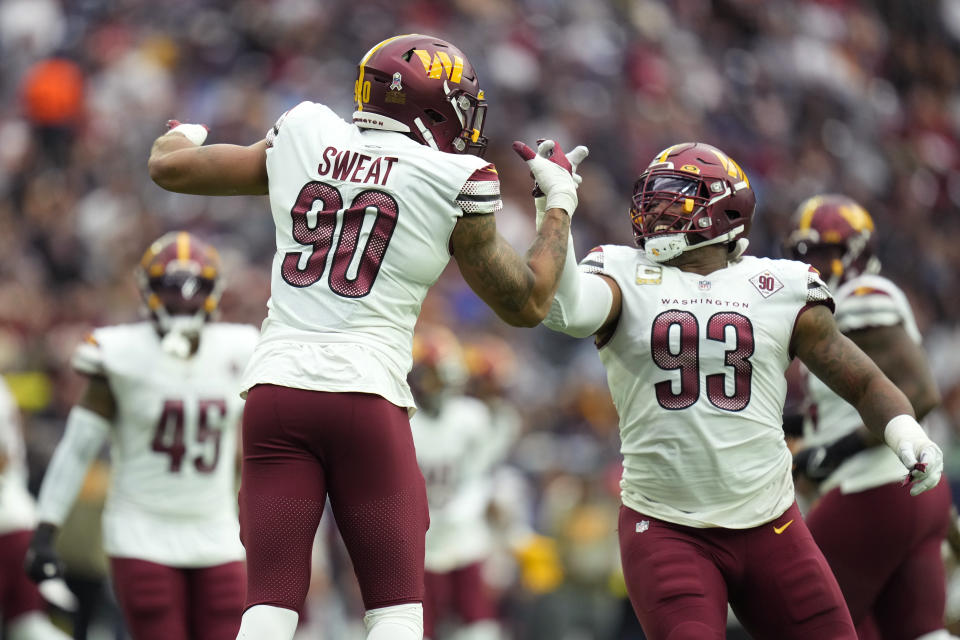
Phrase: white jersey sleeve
x=172 y=495
x=363 y=222
x=863 y=302
x=696 y=369
x=17 y=509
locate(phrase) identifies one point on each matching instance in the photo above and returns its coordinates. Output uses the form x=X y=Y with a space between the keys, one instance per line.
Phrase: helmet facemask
x=670 y=213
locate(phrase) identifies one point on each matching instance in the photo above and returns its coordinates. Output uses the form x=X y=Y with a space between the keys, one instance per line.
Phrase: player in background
x=695 y=338
x=882 y=544
x=165 y=393
x=22 y=608
x=458 y=448
x=368 y=213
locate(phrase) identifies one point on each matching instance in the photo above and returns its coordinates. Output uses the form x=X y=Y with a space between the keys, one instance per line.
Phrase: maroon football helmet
x=438 y=366
x=834 y=234
x=423 y=86
x=690 y=196
x=179 y=279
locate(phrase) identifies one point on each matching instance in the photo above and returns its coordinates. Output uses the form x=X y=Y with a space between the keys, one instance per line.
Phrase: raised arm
x=178 y=162
x=520 y=289
x=852 y=375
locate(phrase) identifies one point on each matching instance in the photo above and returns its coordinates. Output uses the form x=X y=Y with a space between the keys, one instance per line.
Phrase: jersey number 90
x=320 y=238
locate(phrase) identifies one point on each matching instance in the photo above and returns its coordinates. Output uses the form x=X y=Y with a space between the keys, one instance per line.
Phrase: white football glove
x=195 y=133
x=554 y=173
x=575 y=157
x=918 y=453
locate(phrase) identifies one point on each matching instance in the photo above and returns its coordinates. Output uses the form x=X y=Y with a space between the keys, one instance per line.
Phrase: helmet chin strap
x=668 y=246
x=426 y=133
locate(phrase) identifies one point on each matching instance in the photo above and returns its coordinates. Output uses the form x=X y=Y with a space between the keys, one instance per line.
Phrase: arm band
x=582 y=302
x=81 y=442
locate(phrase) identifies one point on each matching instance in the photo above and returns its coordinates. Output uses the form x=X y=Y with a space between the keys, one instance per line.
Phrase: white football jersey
x=863 y=302
x=17 y=507
x=173 y=449
x=363 y=223
x=457 y=450
x=696 y=370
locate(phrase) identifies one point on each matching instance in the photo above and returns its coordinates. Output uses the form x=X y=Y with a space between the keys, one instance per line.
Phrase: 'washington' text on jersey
x=714 y=301
x=353 y=166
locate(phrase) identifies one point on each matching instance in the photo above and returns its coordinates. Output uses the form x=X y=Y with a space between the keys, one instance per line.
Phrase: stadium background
x=808 y=96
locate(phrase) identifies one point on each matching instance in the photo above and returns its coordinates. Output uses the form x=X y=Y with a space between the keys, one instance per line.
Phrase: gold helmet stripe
x=183 y=246
x=807 y=209
x=358 y=93
x=857 y=217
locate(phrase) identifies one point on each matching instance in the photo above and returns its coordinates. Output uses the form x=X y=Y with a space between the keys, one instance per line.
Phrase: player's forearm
x=546 y=259
x=176 y=164
x=518 y=288
x=880 y=402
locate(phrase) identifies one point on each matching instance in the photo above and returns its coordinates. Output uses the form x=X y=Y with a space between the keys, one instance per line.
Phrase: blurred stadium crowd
x=809 y=96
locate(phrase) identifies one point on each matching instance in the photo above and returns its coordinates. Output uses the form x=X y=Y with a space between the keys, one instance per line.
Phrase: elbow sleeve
x=84 y=436
x=582 y=302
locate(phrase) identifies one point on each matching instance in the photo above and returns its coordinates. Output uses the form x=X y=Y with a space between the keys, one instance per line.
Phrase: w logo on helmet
x=441 y=63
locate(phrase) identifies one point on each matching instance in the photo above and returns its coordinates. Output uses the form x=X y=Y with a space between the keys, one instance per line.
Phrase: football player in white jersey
x=368 y=213
x=165 y=392
x=21 y=605
x=458 y=448
x=882 y=544
x=695 y=339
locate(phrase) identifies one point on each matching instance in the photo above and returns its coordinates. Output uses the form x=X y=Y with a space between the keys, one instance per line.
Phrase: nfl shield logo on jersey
x=766 y=283
x=704 y=285
x=643 y=525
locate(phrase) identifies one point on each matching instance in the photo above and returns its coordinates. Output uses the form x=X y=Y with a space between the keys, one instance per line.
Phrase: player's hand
x=814 y=463
x=554 y=172
x=570 y=162
x=42 y=562
x=195 y=133
x=918 y=453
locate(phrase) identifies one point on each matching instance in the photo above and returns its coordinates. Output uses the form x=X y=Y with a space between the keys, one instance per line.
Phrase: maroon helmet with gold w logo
x=179 y=277
x=836 y=235
x=423 y=86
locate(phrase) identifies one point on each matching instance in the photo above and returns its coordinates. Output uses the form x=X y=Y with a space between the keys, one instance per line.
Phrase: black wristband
x=845 y=447
x=44 y=534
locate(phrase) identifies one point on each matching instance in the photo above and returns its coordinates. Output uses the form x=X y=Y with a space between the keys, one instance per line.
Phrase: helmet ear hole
x=732 y=215
x=436 y=116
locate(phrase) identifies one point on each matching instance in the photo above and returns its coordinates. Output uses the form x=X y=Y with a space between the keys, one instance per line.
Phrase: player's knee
x=694 y=631
x=34 y=626
x=399 y=622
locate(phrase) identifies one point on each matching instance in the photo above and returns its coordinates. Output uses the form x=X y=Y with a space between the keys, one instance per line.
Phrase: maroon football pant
x=18 y=595
x=679 y=580
x=301 y=446
x=461 y=592
x=161 y=602
x=884 y=547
